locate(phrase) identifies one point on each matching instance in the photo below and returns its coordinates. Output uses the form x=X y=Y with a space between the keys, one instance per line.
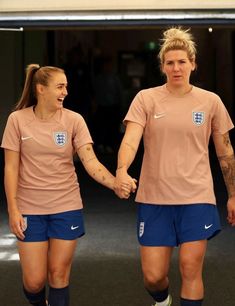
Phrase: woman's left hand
x=124 y=184
x=231 y=210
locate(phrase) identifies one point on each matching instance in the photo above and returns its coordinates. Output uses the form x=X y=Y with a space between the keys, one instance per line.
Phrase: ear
x=194 y=68
x=194 y=65
x=162 y=68
x=39 y=88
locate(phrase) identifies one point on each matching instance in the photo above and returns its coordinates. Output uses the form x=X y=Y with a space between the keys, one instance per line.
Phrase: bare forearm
x=227 y=164
x=94 y=168
x=11 y=183
x=126 y=155
x=99 y=173
x=129 y=145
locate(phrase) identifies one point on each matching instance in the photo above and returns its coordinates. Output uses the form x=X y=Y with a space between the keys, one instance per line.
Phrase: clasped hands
x=124 y=185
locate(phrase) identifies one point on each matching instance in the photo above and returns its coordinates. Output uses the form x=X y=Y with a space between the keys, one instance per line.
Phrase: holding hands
x=124 y=184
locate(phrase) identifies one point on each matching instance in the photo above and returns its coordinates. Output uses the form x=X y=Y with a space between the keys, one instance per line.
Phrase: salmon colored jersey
x=47 y=180
x=176 y=168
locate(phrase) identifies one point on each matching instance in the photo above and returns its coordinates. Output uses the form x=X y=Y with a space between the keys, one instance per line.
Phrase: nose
x=65 y=91
x=176 y=66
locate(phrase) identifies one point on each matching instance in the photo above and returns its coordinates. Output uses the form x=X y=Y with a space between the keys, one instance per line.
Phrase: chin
x=177 y=84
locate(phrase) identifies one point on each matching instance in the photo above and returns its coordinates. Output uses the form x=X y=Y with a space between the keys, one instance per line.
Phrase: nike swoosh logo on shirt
x=159 y=115
x=25 y=138
x=208 y=226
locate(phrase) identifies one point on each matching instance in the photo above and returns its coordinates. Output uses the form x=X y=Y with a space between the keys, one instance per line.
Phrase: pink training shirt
x=176 y=168
x=47 y=181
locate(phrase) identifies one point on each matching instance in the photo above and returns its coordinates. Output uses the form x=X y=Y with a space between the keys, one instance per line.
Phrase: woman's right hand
x=17 y=224
x=124 y=184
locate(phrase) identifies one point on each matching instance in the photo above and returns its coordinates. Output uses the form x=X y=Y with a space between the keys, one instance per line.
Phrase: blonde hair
x=177 y=38
x=35 y=75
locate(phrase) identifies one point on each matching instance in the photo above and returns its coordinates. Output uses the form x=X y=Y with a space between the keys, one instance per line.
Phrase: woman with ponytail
x=44 y=202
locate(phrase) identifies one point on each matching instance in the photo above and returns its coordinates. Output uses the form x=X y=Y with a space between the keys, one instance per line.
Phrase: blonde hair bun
x=177 y=38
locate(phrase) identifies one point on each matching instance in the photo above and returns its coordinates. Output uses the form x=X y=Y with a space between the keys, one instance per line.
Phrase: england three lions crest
x=198 y=118
x=60 y=138
x=141 y=229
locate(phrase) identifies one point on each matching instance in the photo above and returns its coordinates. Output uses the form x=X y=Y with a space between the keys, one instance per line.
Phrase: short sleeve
x=221 y=121
x=81 y=134
x=137 y=112
x=11 y=135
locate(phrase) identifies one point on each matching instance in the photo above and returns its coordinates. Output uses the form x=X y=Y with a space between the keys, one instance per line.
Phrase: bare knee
x=191 y=260
x=192 y=282
x=190 y=270
x=34 y=284
x=155 y=280
x=155 y=265
x=58 y=276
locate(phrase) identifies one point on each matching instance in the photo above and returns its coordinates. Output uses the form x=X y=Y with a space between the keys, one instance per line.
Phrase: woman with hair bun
x=43 y=195
x=176 y=201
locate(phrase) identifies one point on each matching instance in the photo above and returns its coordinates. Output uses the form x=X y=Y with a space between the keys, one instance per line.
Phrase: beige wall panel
x=49 y=5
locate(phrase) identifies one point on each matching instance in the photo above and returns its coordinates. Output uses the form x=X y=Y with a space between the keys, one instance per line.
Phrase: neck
x=43 y=114
x=179 y=91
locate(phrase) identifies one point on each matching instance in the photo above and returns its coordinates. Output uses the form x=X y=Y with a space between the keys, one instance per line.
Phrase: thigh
x=155 y=260
x=192 y=254
x=61 y=252
x=60 y=258
x=33 y=260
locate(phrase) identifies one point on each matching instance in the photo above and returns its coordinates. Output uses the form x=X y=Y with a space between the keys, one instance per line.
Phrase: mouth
x=61 y=100
x=177 y=76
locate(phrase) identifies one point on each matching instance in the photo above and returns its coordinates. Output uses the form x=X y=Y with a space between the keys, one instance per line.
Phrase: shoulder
x=205 y=93
x=22 y=115
x=71 y=118
x=209 y=100
x=153 y=91
x=69 y=114
x=150 y=94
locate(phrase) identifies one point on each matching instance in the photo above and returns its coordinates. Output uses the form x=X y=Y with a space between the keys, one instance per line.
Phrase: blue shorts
x=172 y=225
x=66 y=225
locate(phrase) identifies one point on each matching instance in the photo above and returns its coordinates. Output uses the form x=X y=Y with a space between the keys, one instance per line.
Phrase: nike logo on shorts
x=208 y=226
x=74 y=227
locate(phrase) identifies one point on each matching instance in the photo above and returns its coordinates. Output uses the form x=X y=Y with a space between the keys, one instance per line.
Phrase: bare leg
x=155 y=266
x=59 y=265
x=33 y=259
x=60 y=258
x=191 y=264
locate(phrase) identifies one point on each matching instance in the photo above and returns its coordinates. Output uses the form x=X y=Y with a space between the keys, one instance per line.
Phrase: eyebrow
x=172 y=60
x=58 y=84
